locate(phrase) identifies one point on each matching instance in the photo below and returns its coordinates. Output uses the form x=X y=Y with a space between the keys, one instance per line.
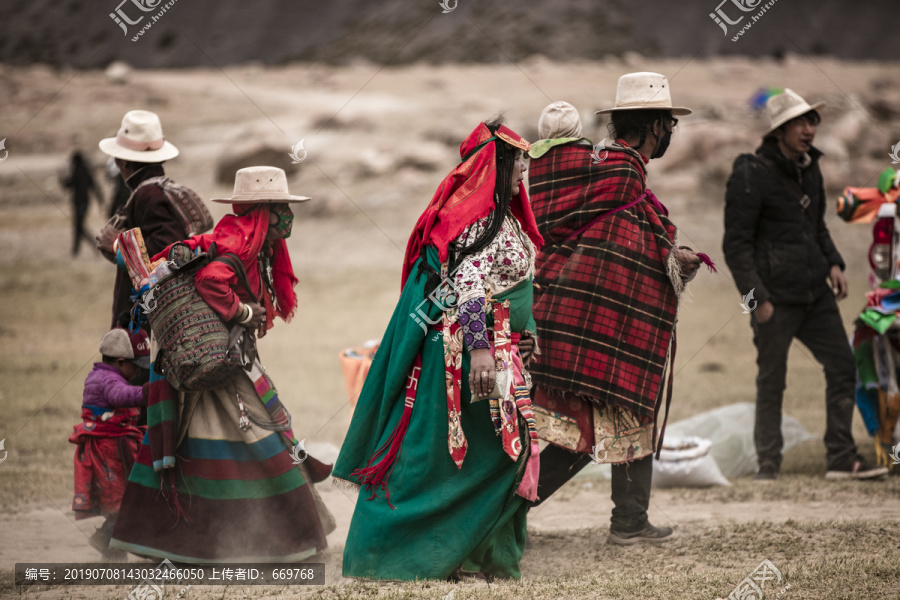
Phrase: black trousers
x=819 y=327
x=630 y=485
x=78 y=215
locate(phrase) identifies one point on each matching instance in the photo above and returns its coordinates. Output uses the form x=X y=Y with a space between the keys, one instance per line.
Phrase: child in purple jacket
x=108 y=437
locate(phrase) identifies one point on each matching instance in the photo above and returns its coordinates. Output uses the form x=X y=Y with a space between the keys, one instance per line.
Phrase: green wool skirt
x=444 y=517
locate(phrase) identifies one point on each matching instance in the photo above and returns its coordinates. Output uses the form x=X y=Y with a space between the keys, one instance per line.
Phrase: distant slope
x=222 y=32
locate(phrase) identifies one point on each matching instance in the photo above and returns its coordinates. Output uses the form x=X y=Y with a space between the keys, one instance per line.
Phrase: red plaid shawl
x=605 y=305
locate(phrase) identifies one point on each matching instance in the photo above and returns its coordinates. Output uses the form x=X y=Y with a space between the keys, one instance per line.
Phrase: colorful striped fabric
x=269 y=396
x=134 y=252
x=206 y=490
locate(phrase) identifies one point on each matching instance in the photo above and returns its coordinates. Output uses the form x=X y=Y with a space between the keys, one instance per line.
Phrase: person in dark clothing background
x=81 y=182
x=120 y=191
x=783 y=260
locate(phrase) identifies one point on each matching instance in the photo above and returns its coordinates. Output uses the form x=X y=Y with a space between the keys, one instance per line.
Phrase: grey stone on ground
x=258 y=154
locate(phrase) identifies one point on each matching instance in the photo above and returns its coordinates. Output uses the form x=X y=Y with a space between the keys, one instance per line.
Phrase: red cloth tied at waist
x=107 y=443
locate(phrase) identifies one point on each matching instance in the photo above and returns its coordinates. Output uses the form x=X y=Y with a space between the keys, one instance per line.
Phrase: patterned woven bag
x=187 y=204
x=197 y=351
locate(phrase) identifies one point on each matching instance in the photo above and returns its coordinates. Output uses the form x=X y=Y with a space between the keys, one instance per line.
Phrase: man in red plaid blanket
x=607 y=283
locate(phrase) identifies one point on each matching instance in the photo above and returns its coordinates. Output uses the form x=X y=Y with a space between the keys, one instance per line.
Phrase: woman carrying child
x=230 y=489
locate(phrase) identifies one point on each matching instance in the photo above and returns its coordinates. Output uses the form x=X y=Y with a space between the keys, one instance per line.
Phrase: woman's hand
x=481 y=372
x=526 y=349
x=259 y=316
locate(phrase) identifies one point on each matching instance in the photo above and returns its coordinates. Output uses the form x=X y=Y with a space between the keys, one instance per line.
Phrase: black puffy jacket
x=772 y=244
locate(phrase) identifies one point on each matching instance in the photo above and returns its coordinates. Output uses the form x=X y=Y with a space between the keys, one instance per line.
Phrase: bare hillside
x=196 y=33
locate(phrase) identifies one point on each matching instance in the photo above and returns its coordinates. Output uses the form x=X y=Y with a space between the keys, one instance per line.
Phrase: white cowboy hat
x=644 y=91
x=256 y=185
x=140 y=139
x=788 y=105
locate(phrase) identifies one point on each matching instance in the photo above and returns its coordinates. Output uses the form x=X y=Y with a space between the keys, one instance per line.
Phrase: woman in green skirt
x=442 y=444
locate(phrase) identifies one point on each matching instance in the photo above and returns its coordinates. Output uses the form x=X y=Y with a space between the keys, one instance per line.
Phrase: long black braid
x=506 y=157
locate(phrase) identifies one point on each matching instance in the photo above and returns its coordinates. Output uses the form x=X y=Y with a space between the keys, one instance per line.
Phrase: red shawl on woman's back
x=244 y=234
x=605 y=304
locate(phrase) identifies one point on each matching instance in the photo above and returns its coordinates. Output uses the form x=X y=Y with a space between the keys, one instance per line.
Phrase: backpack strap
x=159 y=180
x=234 y=261
x=118 y=219
x=194 y=216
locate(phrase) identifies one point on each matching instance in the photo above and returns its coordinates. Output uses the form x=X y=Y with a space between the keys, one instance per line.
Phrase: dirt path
x=52 y=535
x=591 y=508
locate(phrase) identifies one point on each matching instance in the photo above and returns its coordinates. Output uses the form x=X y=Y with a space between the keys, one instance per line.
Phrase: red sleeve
x=215 y=283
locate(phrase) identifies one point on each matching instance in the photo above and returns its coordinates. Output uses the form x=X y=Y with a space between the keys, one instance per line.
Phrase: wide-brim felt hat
x=788 y=105
x=257 y=185
x=644 y=91
x=140 y=139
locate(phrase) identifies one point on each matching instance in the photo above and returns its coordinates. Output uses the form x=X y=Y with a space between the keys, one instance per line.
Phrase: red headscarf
x=467 y=195
x=244 y=234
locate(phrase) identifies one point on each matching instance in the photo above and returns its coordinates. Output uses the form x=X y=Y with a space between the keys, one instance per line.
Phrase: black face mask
x=662 y=146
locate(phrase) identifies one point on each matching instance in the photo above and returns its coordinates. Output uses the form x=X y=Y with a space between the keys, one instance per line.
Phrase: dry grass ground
x=843 y=561
x=829 y=540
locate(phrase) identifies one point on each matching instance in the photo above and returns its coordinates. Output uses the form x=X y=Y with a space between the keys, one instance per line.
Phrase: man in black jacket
x=783 y=260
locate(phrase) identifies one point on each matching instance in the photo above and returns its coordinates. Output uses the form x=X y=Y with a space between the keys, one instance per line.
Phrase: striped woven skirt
x=234 y=493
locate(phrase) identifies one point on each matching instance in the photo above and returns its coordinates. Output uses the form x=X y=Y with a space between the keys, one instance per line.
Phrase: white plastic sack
x=686 y=462
x=730 y=429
